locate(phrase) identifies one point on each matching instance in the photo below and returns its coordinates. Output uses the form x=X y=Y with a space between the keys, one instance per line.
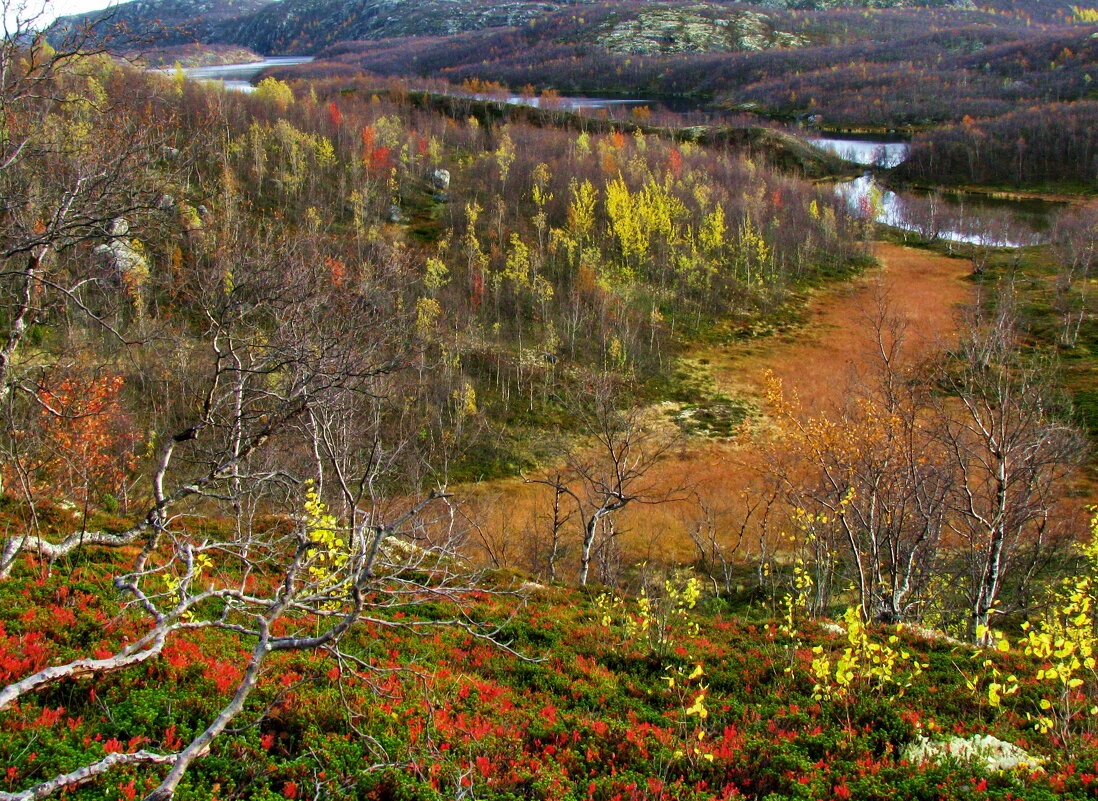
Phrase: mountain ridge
x=304 y=27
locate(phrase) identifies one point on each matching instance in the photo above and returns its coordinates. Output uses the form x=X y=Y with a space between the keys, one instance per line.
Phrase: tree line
x=1048 y=145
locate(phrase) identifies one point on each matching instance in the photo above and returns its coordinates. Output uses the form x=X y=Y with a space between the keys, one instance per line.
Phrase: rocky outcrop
x=990 y=752
x=697 y=29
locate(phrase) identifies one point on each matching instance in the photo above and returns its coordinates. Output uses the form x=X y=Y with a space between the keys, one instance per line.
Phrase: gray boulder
x=995 y=754
x=440 y=179
x=122 y=257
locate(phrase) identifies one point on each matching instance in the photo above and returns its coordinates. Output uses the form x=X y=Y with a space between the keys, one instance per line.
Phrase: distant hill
x=304 y=26
x=605 y=39
x=159 y=22
x=641 y=27
x=299 y=26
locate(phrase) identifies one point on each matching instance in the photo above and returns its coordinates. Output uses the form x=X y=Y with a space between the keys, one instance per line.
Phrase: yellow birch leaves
x=327 y=552
x=863 y=664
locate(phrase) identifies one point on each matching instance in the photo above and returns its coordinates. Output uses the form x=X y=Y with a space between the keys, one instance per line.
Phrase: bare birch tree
x=609 y=470
x=866 y=482
x=1075 y=242
x=1011 y=442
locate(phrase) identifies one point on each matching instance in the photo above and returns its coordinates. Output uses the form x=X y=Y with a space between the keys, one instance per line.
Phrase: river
x=957 y=217
x=870 y=152
x=239 y=77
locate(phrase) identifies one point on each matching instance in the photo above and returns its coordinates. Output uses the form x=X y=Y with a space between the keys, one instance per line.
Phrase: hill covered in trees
x=304 y=26
x=157 y=22
x=997 y=72
x=843 y=66
x=885 y=68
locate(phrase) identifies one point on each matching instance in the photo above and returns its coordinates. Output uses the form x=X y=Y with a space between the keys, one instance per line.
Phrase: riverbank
x=194 y=56
x=1081 y=197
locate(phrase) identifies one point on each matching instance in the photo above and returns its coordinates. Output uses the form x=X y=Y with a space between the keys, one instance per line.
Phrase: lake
x=955 y=217
x=239 y=77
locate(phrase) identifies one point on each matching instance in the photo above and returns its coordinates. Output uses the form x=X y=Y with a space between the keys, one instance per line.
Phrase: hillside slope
x=303 y=26
x=159 y=22
x=717 y=705
x=640 y=27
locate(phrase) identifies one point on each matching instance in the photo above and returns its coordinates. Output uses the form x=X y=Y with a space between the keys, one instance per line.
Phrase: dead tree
x=279 y=359
x=610 y=469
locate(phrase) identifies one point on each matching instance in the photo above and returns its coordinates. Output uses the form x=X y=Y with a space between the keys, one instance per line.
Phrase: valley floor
x=817 y=360
x=926 y=290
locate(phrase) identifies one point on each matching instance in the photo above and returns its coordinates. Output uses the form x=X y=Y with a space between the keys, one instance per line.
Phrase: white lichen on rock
x=698 y=28
x=995 y=754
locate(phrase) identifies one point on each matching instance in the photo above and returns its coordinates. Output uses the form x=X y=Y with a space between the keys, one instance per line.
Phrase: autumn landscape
x=579 y=400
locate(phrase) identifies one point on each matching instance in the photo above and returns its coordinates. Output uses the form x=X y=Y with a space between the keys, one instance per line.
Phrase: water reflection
x=239 y=77
x=568 y=103
x=958 y=218
x=875 y=153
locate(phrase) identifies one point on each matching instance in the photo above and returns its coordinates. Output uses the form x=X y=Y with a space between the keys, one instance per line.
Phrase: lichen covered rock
x=995 y=754
x=700 y=28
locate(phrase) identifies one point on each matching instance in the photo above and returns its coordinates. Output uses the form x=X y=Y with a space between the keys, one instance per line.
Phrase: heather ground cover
x=598 y=700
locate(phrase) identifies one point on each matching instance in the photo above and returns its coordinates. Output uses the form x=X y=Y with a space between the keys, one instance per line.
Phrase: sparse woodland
x=256 y=350
x=996 y=78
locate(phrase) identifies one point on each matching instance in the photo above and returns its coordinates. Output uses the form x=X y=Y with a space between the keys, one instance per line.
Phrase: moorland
x=403 y=429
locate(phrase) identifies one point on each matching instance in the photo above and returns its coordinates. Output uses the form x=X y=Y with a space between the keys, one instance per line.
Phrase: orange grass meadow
x=816 y=362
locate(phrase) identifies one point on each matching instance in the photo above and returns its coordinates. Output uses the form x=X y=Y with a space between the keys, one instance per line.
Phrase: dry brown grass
x=816 y=361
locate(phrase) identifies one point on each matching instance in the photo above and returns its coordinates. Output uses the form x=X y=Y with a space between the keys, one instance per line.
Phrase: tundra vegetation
x=977 y=86
x=255 y=350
